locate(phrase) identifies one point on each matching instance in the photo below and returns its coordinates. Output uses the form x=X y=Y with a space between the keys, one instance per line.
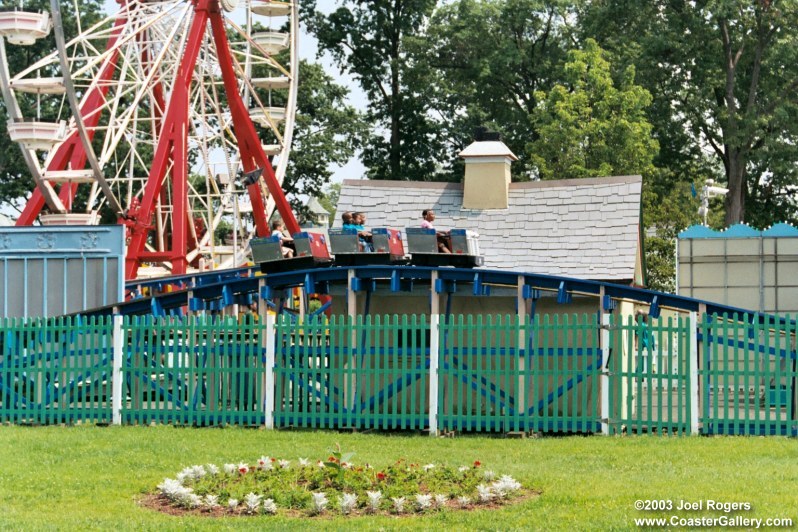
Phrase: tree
x=329 y=198
x=725 y=76
x=493 y=57
x=586 y=127
x=367 y=39
x=327 y=134
x=15 y=180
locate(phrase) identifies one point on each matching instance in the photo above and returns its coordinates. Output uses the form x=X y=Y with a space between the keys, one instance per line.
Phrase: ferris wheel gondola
x=141 y=114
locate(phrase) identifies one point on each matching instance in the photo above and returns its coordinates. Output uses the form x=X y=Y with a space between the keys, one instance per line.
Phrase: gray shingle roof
x=584 y=228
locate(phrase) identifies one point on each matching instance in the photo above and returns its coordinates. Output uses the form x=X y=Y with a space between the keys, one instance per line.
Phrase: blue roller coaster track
x=219 y=289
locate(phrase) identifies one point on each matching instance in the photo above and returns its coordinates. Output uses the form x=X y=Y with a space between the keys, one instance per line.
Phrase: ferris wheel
x=170 y=116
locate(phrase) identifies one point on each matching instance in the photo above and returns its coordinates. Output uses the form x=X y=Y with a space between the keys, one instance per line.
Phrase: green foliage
x=16 y=182
x=723 y=74
x=291 y=485
x=368 y=40
x=327 y=133
x=493 y=58
x=589 y=128
x=329 y=198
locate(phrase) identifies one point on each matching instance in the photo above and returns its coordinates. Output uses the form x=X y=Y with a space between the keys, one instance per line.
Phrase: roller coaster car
x=350 y=250
x=311 y=252
x=423 y=246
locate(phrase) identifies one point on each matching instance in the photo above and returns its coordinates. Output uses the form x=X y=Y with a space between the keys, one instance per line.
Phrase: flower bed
x=333 y=486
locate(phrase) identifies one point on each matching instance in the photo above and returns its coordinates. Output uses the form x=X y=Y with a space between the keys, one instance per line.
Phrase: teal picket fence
x=55 y=370
x=193 y=371
x=650 y=378
x=749 y=376
x=552 y=373
x=500 y=374
x=360 y=373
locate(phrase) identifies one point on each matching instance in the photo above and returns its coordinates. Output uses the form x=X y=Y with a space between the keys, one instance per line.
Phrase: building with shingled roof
x=582 y=228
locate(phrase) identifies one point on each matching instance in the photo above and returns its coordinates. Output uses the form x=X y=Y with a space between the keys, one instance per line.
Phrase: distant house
x=318 y=214
x=582 y=228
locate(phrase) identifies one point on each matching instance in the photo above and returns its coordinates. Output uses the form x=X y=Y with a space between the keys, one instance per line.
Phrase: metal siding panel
x=708 y=275
x=55 y=293
x=747 y=247
x=74 y=285
x=16 y=293
x=708 y=248
x=35 y=294
x=743 y=273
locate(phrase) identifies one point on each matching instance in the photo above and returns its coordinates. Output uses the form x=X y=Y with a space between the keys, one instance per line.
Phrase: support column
x=269 y=338
x=117 y=381
x=695 y=394
x=434 y=361
x=606 y=319
x=520 y=396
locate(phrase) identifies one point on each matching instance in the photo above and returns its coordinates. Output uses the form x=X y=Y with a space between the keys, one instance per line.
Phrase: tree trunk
x=735 y=199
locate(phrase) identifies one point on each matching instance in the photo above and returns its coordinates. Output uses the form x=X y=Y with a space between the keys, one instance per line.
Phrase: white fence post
x=433 y=374
x=605 y=373
x=268 y=385
x=116 y=370
x=695 y=403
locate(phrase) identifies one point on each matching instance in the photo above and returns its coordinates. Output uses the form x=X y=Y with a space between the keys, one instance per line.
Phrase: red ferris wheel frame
x=171 y=151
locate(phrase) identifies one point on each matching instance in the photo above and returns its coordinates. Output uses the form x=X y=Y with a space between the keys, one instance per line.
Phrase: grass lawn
x=81 y=478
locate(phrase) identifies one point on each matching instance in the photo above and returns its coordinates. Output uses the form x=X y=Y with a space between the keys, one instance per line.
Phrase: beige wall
x=750 y=273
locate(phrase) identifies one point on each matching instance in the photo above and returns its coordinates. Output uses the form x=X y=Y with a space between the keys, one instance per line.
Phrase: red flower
x=477 y=463
x=332 y=459
x=381 y=476
x=274 y=459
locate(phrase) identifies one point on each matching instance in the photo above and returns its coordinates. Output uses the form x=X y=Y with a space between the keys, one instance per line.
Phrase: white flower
x=191 y=500
x=243 y=468
x=169 y=487
x=212 y=469
x=195 y=472
x=347 y=502
x=320 y=464
x=440 y=500
x=485 y=493
x=463 y=468
x=505 y=486
x=319 y=502
x=265 y=463
x=212 y=501
x=269 y=506
x=375 y=497
x=230 y=468
x=423 y=502
x=488 y=475
x=429 y=466
x=232 y=504
x=252 y=502
x=463 y=501
x=284 y=464
x=304 y=462
x=398 y=504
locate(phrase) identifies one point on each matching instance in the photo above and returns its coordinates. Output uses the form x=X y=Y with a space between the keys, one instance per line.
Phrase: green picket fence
x=55 y=370
x=358 y=373
x=749 y=374
x=650 y=379
x=553 y=373
x=193 y=371
x=499 y=374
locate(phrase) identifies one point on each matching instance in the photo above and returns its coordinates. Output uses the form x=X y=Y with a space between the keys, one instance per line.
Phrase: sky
x=307 y=50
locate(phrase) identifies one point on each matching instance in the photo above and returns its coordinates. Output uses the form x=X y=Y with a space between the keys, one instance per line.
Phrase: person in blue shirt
x=356 y=222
